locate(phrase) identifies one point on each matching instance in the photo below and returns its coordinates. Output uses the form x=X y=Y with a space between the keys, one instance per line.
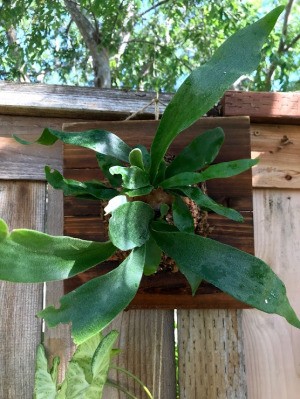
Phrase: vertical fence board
x=211 y=360
x=272 y=346
x=22 y=204
x=147 y=343
x=57 y=340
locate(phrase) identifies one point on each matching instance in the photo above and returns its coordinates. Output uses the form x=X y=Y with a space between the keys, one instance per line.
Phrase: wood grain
x=278 y=147
x=165 y=289
x=263 y=106
x=272 y=346
x=211 y=360
x=147 y=342
x=22 y=204
x=74 y=102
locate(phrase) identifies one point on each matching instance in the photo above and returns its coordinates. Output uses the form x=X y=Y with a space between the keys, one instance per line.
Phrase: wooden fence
x=223 y=353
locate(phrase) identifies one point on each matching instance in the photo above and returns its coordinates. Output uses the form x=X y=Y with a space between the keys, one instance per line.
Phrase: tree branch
x=92 y=40
x=153 y=7
x=292 y=43
x=281 y=47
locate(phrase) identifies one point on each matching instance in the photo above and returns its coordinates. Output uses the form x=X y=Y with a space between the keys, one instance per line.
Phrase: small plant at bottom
x=87 y=372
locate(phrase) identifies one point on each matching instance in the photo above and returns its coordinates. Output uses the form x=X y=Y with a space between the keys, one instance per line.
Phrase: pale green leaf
x=205 y=202
x=152 y=257
x=199 y=153
x=182 y=217
x=136 y=158
x=30 y=256
x=237 y=273
x=129 y=225
x=92 y=306
x=227 y=169
x=86 y=190
x=100 y=141
x=239 y=55
x=132 y=177
x=44 y=385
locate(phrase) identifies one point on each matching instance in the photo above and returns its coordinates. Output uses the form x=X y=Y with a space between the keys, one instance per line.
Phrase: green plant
x=142 y=187
x=87 y=372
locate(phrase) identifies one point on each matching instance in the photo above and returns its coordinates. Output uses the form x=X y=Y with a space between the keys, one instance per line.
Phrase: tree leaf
x=91 y=307
x=227 y=169
x=199 y=153
x=136 y=158
x=129 y=225
x=86 y=190
x=239 y=55
x=182 y=179
x=182 y=217
x=241 y=275
x=132 y=177
x=152 y=257
x=30 y=256
x=204 y=201
x=44 y=385
x=100 y=141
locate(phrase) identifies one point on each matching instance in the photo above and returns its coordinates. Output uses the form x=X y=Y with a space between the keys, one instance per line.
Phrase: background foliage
x=138 y=44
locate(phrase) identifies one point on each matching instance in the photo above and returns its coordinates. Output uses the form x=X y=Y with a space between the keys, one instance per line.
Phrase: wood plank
x=271 y=344
x=74 y=102
x=57 y=341
x=263 y=106
x=278 y=147
x=22 y=162
x=147 y=343
x=22 y=205
x=167 y=290
x=210 y=351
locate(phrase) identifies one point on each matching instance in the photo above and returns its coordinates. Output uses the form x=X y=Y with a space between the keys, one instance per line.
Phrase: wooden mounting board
x=165 y=289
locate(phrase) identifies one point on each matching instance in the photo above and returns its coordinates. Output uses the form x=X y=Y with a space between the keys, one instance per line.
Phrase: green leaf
x=101 y=358
x=182 y=217
x=44 y=384
x=227 y=169
x=87 y=190
x=139 y=191
x=204 y=201
x=105 y=162
x=91 y=307
x=199 y=153
x=132 y=177
x=146 y=156
x=241 y=275
x=136 y=158
x=152 y=257
x=100 y=141
x=129 y=225
x=239 y=55
x=30 y=256
x=88 y=370
x=182 y=179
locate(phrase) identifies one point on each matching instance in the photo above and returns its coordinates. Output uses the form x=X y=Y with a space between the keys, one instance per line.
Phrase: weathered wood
x=263 y=107
x=271 y=344
x=57 y=341
x=165 y=289
x=278 y=147
x=210 y=353
x=22 y=204
x=147 y=343
x=74 y=102
x=23 y=162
